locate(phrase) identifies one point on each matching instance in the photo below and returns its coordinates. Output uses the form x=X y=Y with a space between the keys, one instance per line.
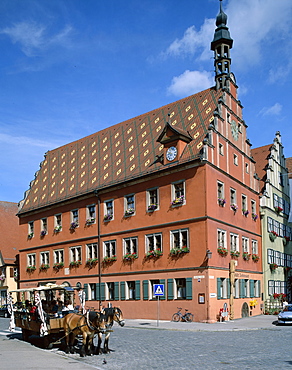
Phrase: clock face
x=234 y=129
x=171 y=153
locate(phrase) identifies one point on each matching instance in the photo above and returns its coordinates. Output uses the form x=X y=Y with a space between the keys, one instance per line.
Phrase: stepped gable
x=261 y=157
x=289 y=167
x=9 y=240
x=119 y=153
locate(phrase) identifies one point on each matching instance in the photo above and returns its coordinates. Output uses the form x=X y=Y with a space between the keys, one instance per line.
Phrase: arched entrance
x=244 y=310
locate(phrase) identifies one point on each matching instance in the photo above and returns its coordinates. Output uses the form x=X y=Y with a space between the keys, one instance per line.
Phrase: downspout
x=98 y=247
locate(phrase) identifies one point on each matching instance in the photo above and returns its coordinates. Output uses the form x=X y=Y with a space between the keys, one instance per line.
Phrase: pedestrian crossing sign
x=158 y=289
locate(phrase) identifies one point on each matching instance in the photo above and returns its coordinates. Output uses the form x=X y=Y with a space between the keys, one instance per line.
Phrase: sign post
x=158 y=291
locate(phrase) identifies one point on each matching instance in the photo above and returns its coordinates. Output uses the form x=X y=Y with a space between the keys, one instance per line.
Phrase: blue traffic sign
x=158 y=289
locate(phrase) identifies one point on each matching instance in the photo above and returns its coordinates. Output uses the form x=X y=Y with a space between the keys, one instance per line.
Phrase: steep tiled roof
x=289 y=166
x=9 y=235
x=261 y=155
x=120 y=152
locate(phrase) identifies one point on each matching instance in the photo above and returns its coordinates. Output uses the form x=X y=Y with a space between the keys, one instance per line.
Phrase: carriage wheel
x=47 y=342
x=175 y=317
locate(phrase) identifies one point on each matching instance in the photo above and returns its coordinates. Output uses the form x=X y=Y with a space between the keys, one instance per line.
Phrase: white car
x=285 y=316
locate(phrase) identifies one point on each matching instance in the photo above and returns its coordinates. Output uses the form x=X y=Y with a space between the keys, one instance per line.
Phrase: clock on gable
x=171 y=153
x=234 y=130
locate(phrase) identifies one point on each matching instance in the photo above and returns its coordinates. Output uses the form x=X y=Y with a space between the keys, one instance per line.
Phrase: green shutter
x=241 y=288
x=169 y=288
x=137 y=290
x=162 y=281
x=189 y=290
x=97 y=291
x=145 y=289
x=259 y=288
x=123 y=293
x=85 y=289
x=218 y=288
x=102 y=291
x=228 y=288
x=251 y=288
x=117 y=295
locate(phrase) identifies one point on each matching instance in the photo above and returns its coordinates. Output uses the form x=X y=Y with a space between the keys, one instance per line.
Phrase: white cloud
x=24 y=141
x=275 y=110
x=190 y=82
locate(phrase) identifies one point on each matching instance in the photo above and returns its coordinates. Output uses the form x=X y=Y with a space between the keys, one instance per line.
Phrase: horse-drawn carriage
x=52 y=322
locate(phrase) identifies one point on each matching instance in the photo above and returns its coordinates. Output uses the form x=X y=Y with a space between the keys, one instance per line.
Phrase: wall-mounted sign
x=201 y=298
x=213 y=295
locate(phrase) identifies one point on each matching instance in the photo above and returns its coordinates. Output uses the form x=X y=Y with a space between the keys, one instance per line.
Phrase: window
x=31 y=259
x=221 y=238
x=179 y=288
x=222 y=288
x=254 y=247
x=257 y=290
x=232 y=196
x=281 y=182
x=234 y=245
x=245 y=244
x=92 y=292
x=90 y=214
x=235 y=159
x=131 y=290
x=30 y=229
x=58 y=223
x=45 y=258
x=245 y=288
x=130 y=245
x=74 y=218
x=236 y=288
x=221 y=149
x=152 y=199
x=110 y=291
x=220 y=191
x=129 y=205
x=75 y=254
x=109 y=248
x=270 y=256
x=91 y=251
x=179 y=239
x=59 y=256
x=153 y=242
x=244 y=204
x=44 y=226
x=178 y=193
x=108 y=210
x=151 y=293
x=253 y=206
x=246 y=168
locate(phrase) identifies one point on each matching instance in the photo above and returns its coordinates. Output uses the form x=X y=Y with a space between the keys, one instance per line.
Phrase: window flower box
x=278 y=209
x=153 y=254
x=273 y=266
x=108 y=260
x=255 y=257
x=90 y=221
x=221 y=202
x=44 y=267
x=152 y=207
x=30 y=268
x=222 y=251
x=179 y=251
x=30 y=235
x=246 y=256
x=73 y=225
x=254 y=216
x=234 y=254
x=75 y=263
x=245 y=212
x=234 y=207
x=130 y=256
x=57 y=266
x=273 y=235
x=57 y=229
x=107 y=217
x=43 y=233
x=129 y=212
x=280 y=296
x=91 y=262
x=287 y=268
x=178 y=201
x=286 y=240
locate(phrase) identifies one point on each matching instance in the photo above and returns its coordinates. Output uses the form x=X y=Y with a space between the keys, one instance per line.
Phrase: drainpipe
x=98 y=246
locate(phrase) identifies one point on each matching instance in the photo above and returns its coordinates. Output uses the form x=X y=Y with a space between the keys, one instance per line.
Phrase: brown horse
x=86 y=325
x=112 y=314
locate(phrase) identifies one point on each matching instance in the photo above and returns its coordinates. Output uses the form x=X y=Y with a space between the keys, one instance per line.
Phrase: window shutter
x=102 y=291
x=251 y=288
x=145 y=289
x=189 y=290
x=162 y=281
x=228 y=288
x=259 y=285
x=137 y=290
x=97 y=292
x=123 y=295
x=85 y=289
x=11 y=272
x=218 y=288
x=241 y=288
x=117 y=295
x=169 y=288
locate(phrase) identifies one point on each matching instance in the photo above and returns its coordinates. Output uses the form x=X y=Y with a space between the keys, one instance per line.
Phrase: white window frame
x=30 y=228
x=75 y=216
x=109 y=209
x=152 y=199
x=223 y=288
x=236 y=288
x=235 y=159
x=109 y=248
x=234 y=242
x=108 y=296
x=246 y=167
x=45 y=258
x=221 y=149
x=178 y=189
x=58 y=221
x=130 y=245
x=31 y=259
x=253 y=206
x=91 y=213
x=92 y=291
x=254 y=246
x=157 y=242
x=44 y=225
x=220 y=190
x=75 y=253
x=130 y=204
x=130 y=290
x=245 y=244
x=179 y=289
x=58 y=255
x=221 y=238
x=91 y=251
x=244 y=203
x=181 y=239
x=233 y=199
x=246 y=288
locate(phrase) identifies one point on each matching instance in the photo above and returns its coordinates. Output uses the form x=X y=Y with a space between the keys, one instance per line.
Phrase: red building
x=167 y=197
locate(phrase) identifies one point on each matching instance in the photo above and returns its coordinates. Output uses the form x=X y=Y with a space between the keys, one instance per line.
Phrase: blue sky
x=69 y=68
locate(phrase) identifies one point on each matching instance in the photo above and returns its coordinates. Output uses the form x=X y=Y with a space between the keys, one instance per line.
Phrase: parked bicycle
x=178 y=316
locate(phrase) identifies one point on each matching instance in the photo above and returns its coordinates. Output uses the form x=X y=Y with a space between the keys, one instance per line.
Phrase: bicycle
x=178 y=316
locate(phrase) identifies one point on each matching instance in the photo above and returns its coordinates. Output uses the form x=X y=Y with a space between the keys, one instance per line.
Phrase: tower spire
x=221 y=45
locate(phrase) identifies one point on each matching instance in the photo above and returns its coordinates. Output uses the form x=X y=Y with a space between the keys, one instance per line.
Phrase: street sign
x=158 y=290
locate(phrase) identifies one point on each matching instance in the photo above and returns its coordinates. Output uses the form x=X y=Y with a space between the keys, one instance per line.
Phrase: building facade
x=168 y=197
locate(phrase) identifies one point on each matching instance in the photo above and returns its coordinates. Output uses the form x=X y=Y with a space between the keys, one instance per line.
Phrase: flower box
x=130 y=256
x=57 y=266
x=245 y=212
x=254 y=216
x=109 y=259
x=222 y=251
x=153 y=254
x=179 y=251
x=90 y=221
x=255 y=257
x=30 y=235
x=44 y=267
x=91 y=262
x=278 y=209
x=234 y=207
x=43 y=233
x=75 y=263
x=178 y=201
x=286 y=240
x=273 y=266
x=152 y=207
x=30 y=268
x=73 y=225
x=107 y=217
x=129 y=212
x=273 y=235
x=287 y=268
x=234 y=254
x=221 y=202
x=246 y=256
x=57 y=229
x=280 y=296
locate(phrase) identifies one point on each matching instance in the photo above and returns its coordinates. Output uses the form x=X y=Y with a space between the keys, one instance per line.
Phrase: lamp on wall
x=208 y=254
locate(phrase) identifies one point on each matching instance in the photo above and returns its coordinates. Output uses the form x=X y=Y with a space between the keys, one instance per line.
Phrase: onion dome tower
x=221 y=45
